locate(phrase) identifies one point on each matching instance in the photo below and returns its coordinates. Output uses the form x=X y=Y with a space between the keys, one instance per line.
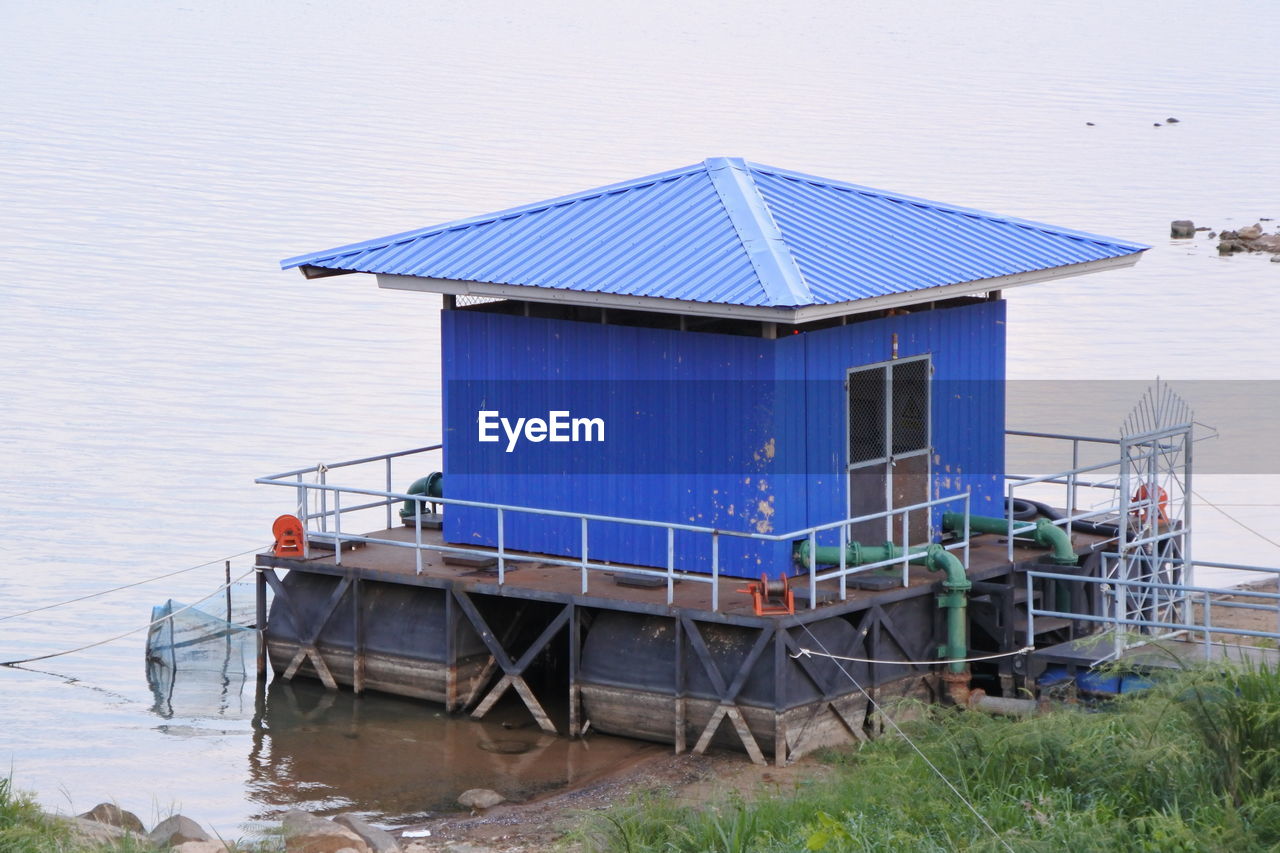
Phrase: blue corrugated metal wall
x=689 y=438
x=967 y=346
x=733 y=432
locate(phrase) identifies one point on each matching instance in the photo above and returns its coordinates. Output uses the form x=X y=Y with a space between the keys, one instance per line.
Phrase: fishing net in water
x=197 y=662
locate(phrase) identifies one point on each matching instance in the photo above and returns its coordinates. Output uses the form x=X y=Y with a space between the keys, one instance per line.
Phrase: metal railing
x=1130 y=631
x=1104 y=487
x=324 y=524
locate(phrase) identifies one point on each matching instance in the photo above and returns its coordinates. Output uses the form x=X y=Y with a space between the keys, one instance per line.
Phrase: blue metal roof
x=729 y=232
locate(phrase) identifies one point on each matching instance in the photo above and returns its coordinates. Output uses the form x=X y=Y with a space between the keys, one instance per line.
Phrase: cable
x=1260 y=535
x=12 y=663
x=811 y=653
x=128 y=585
x=874 y=704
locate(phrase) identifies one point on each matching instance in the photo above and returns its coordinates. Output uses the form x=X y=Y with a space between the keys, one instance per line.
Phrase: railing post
x=1071 y=489
x=417 y=534
x=390 y=501
x=1008 y=511
x=1118 y=597
x=844 y=563
x=906 y=550
x=671 y=565
x=715 y=571
x=813 y=569
x=1031 y=611
x=322 y=472
x=502 y=560
x=584 y=555
x=302 y=504
x=337 y=528
x=1208 y=625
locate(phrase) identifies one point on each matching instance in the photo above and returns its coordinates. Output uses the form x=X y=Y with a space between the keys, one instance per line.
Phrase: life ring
x=1142 y=497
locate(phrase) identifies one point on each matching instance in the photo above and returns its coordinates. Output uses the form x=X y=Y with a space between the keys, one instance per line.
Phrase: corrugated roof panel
x=728 y=232
x=858 y=243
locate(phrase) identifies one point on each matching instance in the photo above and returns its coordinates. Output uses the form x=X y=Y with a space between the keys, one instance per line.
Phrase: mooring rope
x=13 y=663
x=876 y=705
x=128 y=585
x=1258 y=533
x=807 y=653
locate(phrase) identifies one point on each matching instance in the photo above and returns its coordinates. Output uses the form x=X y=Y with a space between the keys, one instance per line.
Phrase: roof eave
x=793 y=315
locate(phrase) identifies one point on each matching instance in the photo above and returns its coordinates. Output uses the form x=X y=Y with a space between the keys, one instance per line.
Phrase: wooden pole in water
x=358 y=661
x=227 y=573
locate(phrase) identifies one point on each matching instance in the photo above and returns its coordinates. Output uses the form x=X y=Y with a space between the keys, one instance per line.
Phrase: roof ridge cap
x=779 y=274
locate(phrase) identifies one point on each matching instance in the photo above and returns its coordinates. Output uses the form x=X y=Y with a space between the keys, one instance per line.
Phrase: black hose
x=1091 y=527
x=1022 y=510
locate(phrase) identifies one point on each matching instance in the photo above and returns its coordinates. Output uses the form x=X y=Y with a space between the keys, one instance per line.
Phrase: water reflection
x=399 y=761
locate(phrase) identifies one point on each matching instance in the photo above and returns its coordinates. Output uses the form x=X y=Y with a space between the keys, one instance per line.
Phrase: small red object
x=290 y=541
x=771 y=599
x=1143 y=497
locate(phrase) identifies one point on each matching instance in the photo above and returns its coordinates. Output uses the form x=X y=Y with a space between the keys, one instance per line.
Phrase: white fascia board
x=792 y=316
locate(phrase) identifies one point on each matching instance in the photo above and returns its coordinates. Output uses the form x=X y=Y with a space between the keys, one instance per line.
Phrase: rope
x=127 y=586
x=12 y=663
x=909 y=741
x=1257 y=533
x=806 y=653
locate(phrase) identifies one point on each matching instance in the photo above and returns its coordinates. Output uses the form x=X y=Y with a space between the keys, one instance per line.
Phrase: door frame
x=890 y=458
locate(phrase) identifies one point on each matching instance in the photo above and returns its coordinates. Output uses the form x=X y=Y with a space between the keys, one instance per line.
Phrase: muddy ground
x=537 y=824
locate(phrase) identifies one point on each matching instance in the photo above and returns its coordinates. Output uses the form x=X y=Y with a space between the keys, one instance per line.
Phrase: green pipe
x=936 y=559
x=432 y=486
x=1045 y=534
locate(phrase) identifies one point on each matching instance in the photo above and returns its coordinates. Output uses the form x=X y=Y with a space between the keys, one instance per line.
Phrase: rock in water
x=176 y=830
x=1250 y=232
x=379 y=840
x=1182 y=228
x=306 y=833
x=480 y=798
x=113 y=815
x=1171 y=120
x=1275 y=259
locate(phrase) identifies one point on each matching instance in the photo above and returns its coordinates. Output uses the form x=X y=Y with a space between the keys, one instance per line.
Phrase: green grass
x=1193 y=764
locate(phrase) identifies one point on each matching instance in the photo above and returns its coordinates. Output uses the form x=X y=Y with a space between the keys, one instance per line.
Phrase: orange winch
x=290 y=540
x=771 y=598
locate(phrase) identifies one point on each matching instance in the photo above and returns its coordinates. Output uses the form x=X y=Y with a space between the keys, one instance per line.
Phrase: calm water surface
x=157 y=161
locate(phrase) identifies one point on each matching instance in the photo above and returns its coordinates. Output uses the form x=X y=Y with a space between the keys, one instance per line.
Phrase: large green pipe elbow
x=430 y=486
x=953 y=599
x=1045 y=534
x=1050 y=535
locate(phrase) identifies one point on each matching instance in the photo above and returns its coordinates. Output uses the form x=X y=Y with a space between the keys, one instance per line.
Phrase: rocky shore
x=486 y=823
x=1251 y=238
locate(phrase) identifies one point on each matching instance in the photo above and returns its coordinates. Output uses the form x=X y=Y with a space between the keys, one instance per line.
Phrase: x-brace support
x=512 y=671
x=307 y=645
x=728 y=693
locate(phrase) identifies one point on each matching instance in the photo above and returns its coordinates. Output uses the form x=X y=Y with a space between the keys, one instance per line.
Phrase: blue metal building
x=726 y=345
